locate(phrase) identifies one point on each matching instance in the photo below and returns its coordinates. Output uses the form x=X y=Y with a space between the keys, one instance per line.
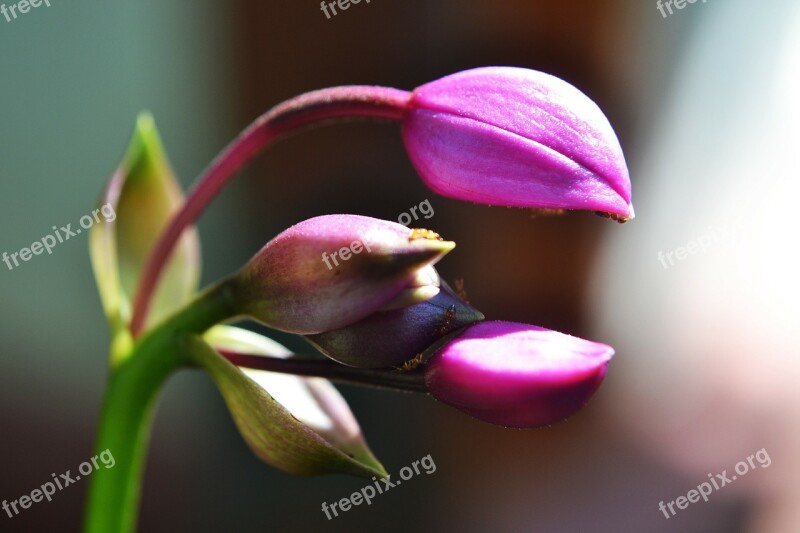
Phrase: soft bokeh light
x=712 y=370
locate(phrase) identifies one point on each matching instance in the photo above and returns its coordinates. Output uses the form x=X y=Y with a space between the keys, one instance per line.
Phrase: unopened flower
x=516 y=137
x=516 y=375
x=331 y=271
x=395 y=336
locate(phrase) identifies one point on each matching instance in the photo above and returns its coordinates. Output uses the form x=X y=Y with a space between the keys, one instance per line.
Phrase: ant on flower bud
x=447 y=322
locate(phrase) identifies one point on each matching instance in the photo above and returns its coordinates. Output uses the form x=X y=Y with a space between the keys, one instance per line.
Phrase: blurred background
x=704 y=103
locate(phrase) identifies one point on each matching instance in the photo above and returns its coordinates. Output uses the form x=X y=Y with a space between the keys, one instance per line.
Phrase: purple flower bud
x=517 y=375
x=393 y=337
x=516 y=137
x=331 y=271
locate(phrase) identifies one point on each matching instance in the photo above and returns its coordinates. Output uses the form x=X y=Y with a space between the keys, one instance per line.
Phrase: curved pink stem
x=310 y=108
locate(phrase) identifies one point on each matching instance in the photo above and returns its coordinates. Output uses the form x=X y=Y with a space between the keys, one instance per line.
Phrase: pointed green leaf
x=306 y=428
x=144 y=194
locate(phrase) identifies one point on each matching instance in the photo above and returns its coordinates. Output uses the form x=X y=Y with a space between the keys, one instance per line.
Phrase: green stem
x=125 y=431
x=128 y=409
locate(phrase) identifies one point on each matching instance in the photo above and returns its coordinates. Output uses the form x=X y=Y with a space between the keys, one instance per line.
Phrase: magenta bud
x=516 y=375
x=394 y=337
x=331 y=271
x=516 y=137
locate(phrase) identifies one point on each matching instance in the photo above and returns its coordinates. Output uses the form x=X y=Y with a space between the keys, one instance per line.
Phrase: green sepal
x=143 y=194
x=273 y=433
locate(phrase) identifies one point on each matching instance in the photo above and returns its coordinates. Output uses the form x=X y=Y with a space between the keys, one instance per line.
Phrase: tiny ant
x=447 y=323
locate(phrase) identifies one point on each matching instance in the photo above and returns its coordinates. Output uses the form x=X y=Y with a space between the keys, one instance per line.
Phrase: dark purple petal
x=390 y=338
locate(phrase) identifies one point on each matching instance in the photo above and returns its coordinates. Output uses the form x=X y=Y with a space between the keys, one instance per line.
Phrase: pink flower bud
x=516 y=137
x=516 y=375
x=331 y=271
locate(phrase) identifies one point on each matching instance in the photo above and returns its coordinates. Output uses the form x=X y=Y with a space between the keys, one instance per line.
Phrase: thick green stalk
x=128 y=408
x=125 y=431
